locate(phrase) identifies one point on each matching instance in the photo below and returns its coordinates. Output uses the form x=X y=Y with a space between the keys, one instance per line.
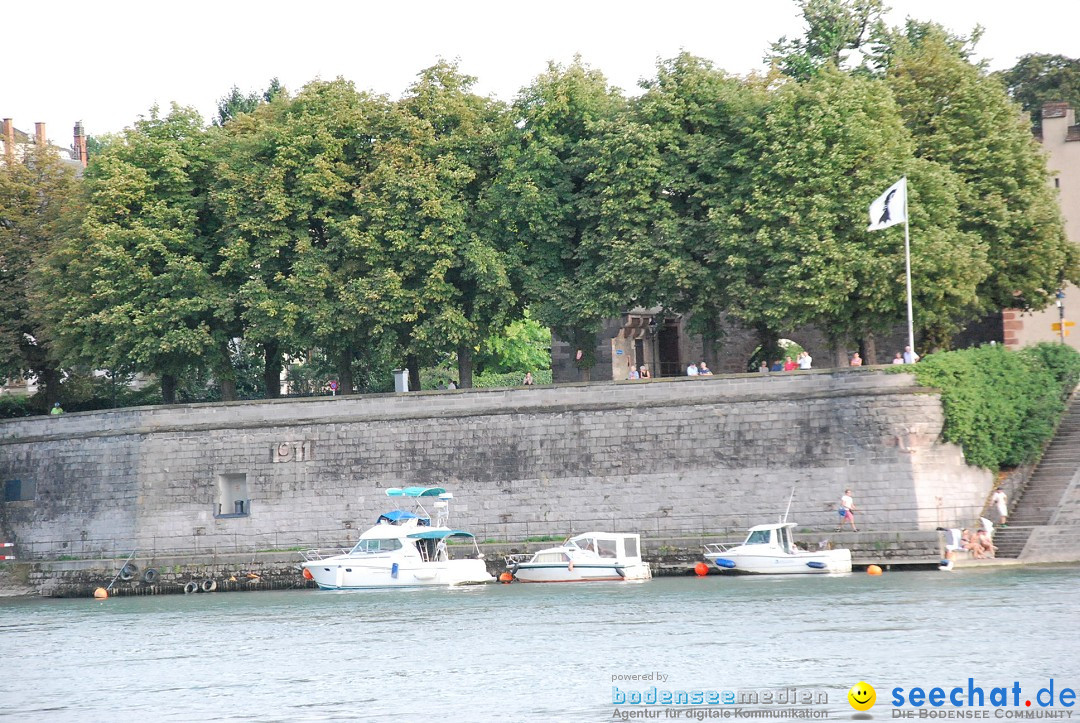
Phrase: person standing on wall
x=1001 y=501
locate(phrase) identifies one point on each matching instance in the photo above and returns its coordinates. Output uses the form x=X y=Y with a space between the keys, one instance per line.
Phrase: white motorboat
x=770 y=550
x=589 y=557
x=403 y=549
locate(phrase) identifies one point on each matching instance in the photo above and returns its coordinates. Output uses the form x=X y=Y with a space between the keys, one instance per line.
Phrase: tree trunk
x=464 y=366
x=344 y=370
x=709 y=343
x=869 y=350
x=49 y=382
x=770 y=345
x=272 y=369
x=168 y=388
x=226 y=373
x=412 y=363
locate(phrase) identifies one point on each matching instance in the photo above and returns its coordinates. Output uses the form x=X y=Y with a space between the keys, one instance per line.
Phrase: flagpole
x=907 y=263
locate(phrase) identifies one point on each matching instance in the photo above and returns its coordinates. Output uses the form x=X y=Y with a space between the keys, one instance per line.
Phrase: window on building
x=16 y=490
x=233 y=498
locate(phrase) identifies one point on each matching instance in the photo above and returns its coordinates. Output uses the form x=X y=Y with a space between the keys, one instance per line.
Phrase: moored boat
x=402 y=549
x=588 y=557
x=770 y=550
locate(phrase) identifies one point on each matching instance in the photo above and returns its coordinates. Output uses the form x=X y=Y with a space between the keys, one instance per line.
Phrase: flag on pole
x=889 y=208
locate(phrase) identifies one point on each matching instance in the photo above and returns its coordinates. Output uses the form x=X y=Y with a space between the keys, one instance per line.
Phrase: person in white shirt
x=692 y=370
x=999 y=500
x=805 y=360
x=910 y=357
x=846 y=510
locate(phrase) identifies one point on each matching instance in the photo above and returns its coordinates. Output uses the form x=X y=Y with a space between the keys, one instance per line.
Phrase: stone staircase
x=1034 y=504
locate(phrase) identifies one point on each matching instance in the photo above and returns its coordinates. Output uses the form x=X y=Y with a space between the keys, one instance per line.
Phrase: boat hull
x=342 y=573
x=758 y=563
x=582 y=572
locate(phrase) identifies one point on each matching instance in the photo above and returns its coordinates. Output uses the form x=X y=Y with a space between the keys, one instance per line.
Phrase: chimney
x=80 y=144
x=9 y=140
x=39 y=135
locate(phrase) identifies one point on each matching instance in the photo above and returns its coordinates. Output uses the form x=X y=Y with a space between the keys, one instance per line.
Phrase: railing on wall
x=688 y=527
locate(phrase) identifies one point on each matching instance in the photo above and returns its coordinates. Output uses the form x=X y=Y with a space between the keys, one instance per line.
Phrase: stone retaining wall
x=663 y=457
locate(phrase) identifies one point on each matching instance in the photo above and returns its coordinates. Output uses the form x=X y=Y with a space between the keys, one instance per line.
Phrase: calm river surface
x=533 y=652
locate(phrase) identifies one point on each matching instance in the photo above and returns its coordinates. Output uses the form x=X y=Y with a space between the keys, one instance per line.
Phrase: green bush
x=16 y=405
x=1001 y=406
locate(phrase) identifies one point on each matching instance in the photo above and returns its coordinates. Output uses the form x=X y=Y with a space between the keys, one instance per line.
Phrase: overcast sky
x=108 y=63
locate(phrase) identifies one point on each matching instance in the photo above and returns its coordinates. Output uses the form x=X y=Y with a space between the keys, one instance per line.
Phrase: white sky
x=107 y=63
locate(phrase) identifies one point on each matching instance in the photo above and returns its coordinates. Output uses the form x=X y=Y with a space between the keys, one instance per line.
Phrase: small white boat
x=770 y=550
x=403 y=549
x=589 y=557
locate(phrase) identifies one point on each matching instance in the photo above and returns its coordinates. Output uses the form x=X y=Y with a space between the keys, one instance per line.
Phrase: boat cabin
x=775 y=536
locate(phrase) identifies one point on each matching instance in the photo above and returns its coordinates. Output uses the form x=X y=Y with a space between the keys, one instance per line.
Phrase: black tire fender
x=191 y=587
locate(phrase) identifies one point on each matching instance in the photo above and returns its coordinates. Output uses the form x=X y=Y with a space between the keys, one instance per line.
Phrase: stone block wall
x=662 y=457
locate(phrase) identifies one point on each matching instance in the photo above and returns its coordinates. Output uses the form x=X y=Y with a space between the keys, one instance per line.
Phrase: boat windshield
x=375 y=545
x=758 y=537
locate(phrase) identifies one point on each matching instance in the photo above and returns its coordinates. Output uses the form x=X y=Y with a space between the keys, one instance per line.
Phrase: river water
x=538 y=652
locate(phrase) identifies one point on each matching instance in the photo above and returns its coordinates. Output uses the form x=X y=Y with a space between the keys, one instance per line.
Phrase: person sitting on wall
x=56 y=409
x=703 y=370
x=856 y=360
x=645 y=373
x=692 y=370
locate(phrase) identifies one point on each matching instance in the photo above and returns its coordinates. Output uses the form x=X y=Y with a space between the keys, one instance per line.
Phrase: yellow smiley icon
x=862 y=696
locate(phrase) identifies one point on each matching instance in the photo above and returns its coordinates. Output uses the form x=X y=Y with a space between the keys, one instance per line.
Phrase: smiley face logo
x=862 y=696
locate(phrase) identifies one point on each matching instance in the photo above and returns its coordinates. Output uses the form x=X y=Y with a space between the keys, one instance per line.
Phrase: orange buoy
x=101 y=593
x=873 y=570
x=701 y=569
x=506 y=577
x=307 y=574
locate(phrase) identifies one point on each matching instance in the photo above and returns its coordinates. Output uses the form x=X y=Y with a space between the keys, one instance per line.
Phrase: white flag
x=890 y=207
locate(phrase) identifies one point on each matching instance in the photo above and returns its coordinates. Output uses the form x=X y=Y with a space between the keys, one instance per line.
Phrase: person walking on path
x=846 y=510
x=1001 y=501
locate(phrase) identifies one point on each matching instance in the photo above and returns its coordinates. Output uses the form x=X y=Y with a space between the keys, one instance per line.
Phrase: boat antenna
x=788 y=505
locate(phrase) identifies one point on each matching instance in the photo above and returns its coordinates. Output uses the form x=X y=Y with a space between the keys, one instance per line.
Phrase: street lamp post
x=1061 y=314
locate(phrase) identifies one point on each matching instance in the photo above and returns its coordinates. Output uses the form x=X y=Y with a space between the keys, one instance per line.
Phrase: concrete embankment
x=280 y=570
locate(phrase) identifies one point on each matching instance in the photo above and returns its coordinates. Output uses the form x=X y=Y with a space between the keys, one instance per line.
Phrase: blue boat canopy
x=439 y=534
x=415 y=492
x=395 y=516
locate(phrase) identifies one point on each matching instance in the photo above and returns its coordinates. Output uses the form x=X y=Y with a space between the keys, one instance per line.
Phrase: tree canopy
x=363 y=231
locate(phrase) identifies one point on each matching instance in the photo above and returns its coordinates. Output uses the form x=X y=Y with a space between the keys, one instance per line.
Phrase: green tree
x=523 y=346
x=962 y=118
x=235 y=103
x=796 y=250
x=548 y=186
x=836 y=29
x=40 y=209
x=140 y=292
x=701 y=121
x=461 y=134
x=254 y=195
x=1039 y=78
